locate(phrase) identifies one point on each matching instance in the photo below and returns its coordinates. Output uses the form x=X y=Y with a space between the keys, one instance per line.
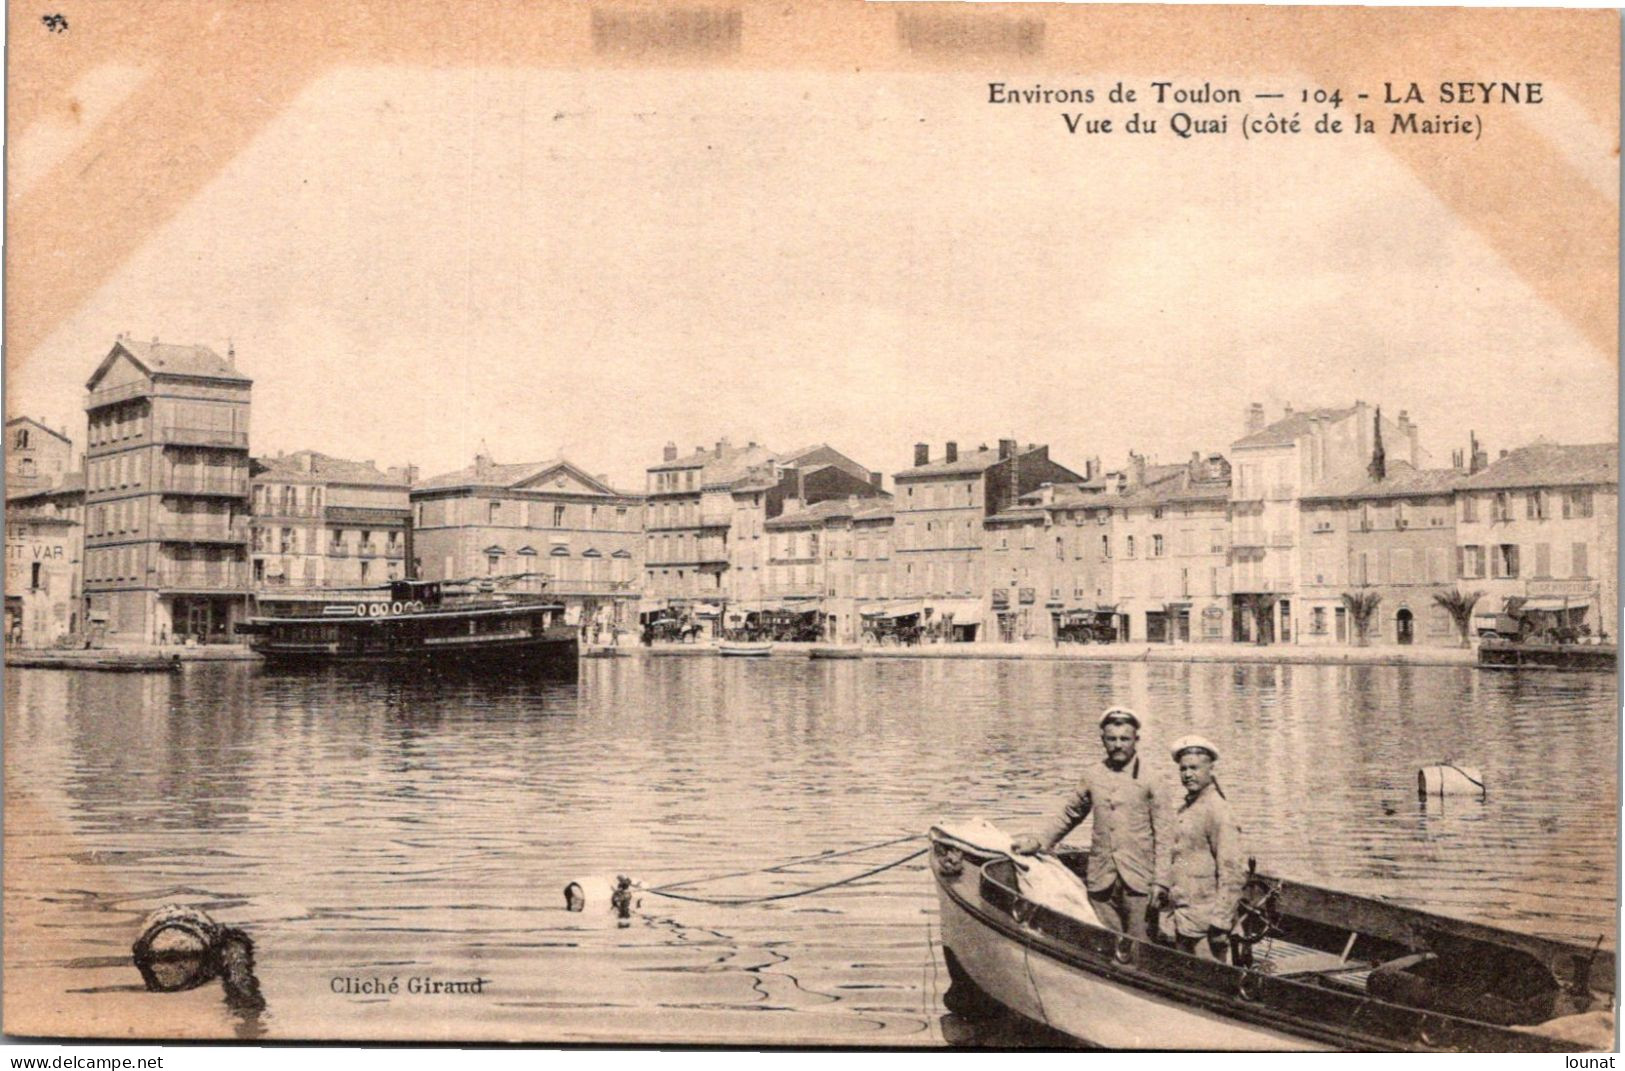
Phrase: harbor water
x=368 y=828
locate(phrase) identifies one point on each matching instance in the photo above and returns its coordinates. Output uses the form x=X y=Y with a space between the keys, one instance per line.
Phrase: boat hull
x=1084 y=1006
x=744 y=650
x=552 y=654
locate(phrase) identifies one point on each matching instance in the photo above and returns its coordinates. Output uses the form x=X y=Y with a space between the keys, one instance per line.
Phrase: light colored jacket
x=1206 y=867
x=1125 y=804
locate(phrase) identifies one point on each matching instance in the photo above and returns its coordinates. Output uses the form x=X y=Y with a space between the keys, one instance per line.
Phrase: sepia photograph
x=811 y=525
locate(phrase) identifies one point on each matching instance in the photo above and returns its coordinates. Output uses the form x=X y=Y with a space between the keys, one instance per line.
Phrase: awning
x=706 y=609
x=894 y=610
x=962 y=610
x=1554 y=603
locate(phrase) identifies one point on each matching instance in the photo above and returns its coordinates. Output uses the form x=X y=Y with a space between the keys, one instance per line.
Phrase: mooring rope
x=793 y=862
x=741 y=901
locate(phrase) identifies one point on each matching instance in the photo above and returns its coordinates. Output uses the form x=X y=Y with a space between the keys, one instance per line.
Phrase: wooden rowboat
x=1335 y=971
x=744 y=649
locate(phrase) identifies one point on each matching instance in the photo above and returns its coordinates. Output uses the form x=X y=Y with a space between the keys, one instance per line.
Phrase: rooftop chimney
x=1136 y=469
x=1478 y=460
x=1379 y=457
x=1255 y=417
x=922 y=454
x=950 y=452
x=721 y=444
x=669 y=453
x=1007 y=448
x=482 y=466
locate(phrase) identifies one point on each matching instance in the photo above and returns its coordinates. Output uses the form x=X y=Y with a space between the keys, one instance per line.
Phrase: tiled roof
x=181 y=360
x=70 y=483
x=493 y=475
x=875 y=509
x=969 y=463
x=1548 y=464
x=1285 y=431
x=1402 y=481
x=868 y=508
x=327 y=469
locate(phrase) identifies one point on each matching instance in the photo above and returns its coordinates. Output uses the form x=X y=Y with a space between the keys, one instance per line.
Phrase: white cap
x=1120 y=714
x=1198 y=743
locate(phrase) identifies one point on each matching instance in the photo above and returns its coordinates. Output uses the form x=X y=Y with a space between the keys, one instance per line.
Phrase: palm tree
x=1459 y=605
x=1362 y=607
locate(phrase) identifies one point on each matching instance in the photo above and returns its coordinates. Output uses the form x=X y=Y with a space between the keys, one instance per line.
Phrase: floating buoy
x=182 y=948
x=619 y=894
x=1448 y=779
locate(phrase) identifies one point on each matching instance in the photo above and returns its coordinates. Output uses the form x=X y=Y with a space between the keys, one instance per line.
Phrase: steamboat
x=433 y=624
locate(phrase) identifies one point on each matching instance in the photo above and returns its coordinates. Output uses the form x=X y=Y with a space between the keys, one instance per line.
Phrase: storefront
x=954 y=620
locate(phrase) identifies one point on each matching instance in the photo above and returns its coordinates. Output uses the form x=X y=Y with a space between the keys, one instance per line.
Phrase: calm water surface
x=364 y=825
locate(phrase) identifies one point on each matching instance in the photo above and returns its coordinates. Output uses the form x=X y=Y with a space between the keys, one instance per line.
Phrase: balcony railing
x=395 y=551
x=196 y=532
x=178 y=436
x=277 y=509
x=175 y=484
x=338 y=550
x=207 y=578
x=367 y=550
x=109 y=395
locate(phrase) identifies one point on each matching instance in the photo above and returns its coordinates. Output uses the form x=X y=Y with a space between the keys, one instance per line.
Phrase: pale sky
x=413 y=261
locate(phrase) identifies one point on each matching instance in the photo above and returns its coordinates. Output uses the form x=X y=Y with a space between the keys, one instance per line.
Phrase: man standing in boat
x=1205 y=868
x=1123 y=855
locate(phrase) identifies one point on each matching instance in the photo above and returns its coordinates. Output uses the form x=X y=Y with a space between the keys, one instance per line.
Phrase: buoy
x=181 y=948
x=618 y=894
x=1448 y=779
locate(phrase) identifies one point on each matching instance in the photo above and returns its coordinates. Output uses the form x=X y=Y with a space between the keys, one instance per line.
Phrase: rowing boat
x=742 y=649
x=1329 y=971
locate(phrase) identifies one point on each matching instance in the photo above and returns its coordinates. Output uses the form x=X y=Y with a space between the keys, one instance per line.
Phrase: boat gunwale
x=1140 y=973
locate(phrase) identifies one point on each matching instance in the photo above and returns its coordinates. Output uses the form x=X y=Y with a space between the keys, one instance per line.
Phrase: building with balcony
x=940 y=507
x=1391 y=535
x=37 y=456
x=1540 y=524
x=1273 y=464
x=44 y=558
x=566 y=532
x=166 y=494
x=323 y=522
x=706 y=545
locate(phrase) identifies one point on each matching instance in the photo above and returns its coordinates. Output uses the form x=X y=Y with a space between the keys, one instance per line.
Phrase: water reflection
x=372 y=822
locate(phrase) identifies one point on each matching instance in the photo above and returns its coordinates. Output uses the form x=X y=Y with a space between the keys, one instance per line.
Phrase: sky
x=417 y=263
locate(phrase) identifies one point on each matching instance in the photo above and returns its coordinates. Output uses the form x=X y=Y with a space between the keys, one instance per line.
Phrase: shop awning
x=1552 y=603
x=961 y=610
x=706 y=609
x=894 y=610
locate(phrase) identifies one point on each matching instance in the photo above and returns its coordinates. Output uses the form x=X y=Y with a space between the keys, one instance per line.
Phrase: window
x=1317 y=621
x=1504 y=561
x=1060 y=548
x=1469 y=509
x=1156 y=544
x=1543 y=559
x=1503 y=506
x=1470 y=562
x=1128 y=551
x=1577 y=503
x=558 y=515
x=1578 y=560
x=1106 y=547
x=20 y=440
x=1534 y=506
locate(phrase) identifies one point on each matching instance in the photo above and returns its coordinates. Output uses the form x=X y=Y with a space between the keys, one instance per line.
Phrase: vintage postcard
x=752 y=523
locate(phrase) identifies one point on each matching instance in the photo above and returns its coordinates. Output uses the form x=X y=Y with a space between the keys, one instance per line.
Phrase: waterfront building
x=1540 y=524
x=820 y=556
x=570 y=533
x=323 y=522
x=1168 y=547
x=1274 y=463
x=938 y=530
x=45 y=538
x=166 y=494
x=1392 y=536
x=37 y=456
x=708 y=510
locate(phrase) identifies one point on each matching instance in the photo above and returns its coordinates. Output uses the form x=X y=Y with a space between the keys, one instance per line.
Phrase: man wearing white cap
x=1123 y=854
x=1206 y=868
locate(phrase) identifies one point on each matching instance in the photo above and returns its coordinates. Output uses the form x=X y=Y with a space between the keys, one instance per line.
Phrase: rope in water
x=790 y=863
x=742 y=901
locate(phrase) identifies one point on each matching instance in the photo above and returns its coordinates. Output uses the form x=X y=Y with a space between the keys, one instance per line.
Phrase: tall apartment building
x=37 y=455
x=1273 y=464
x=569 y=531
x=323 y=522
x=166 y=494
x=1541 y=524
x=820 y=558
x=937 y=534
